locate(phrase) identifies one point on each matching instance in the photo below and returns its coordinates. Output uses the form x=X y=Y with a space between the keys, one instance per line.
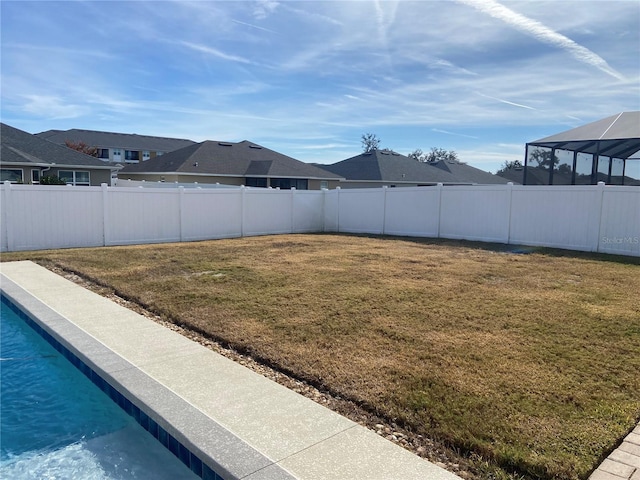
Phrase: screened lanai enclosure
x=607 y=150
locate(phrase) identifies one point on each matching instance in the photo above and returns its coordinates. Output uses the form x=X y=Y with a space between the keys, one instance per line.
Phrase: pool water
x=56 y=424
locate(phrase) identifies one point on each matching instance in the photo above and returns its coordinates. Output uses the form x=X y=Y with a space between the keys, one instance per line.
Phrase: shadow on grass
x=504 y=248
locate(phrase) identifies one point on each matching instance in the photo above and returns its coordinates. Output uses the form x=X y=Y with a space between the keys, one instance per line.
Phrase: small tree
x=436 y=154
x=82 y=147
x=508 y=165
x=370 y=142
x=417 y=155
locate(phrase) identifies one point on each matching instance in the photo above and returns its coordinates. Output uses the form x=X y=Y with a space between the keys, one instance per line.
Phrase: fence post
x=8 y=220
x=510 y=202
x=384 y=209
x=181 y=211
x=243 y=192
x=595 y=246
x=105 y=214
x=439 y=187
x=293 y=207
x=324 y=209
x=338 y=210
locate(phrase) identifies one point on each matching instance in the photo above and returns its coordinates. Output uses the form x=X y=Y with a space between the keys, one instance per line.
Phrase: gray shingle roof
x=127 y=141
x=389 y=166
x=467 y=173
x=22 y=147
x=240 y=159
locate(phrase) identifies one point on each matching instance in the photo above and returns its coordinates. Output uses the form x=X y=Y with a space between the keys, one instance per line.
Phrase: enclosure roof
x=616 y=136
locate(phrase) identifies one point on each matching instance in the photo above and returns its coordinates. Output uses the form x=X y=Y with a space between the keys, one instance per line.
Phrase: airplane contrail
x=543 y=33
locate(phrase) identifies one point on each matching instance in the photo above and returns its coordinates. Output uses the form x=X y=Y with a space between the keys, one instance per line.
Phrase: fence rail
x=590 y=218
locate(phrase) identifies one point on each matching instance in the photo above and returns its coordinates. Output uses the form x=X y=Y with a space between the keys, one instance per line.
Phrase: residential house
x=241 y=163
x=27 y=158
x=468 y=174
x=120 y=148
x=379 y=168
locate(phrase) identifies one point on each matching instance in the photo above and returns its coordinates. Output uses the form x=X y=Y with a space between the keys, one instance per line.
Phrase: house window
x=256 y=182
x=300 y=184
x=74 y=177
x=146 y=155
x=288 y=183
x=35 y=176
x=324 y=184
x=131 y=155
x=159 y=153
x=102 y=153
x=13 y=175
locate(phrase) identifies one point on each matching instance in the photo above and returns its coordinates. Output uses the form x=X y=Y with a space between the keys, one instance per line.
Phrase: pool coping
x=238 y=424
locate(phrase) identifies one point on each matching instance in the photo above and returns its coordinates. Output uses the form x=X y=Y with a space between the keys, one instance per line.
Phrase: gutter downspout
x=42 y=170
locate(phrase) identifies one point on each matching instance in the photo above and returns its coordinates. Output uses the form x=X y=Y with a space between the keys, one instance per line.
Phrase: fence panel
x=620 y=221
x=597 y=218
x=308 y=211
x=267 y=211
x=43 y=217
x=412 y=211
x=555 y=216
x=475 y=213
x=142 y=215
x=361 y=210
x=331 y=210
x=213 y=213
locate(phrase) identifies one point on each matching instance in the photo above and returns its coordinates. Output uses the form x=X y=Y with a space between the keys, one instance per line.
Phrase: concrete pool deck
x=241 y=424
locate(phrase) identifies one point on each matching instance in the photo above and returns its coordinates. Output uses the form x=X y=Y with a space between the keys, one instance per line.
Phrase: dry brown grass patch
x=527 y=360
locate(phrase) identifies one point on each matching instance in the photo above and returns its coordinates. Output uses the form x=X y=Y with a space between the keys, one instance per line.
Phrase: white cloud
x=309 y=15
x=491 y=157
x=52 y=107
x=544 y=34
x=264 y=8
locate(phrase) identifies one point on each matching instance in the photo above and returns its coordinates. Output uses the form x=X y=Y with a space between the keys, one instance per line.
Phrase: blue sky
x=308 y=78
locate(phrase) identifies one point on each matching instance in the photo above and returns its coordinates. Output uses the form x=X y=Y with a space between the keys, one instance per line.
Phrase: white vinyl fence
x=590 y=218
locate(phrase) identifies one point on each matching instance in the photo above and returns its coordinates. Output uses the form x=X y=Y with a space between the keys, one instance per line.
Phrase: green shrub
x=52 y=180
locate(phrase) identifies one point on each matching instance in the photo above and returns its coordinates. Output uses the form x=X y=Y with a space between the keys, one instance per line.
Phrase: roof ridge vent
x=258 y=147
x=225 y=144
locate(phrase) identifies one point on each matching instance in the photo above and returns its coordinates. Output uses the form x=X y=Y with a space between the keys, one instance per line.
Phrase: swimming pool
x=57 y=424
